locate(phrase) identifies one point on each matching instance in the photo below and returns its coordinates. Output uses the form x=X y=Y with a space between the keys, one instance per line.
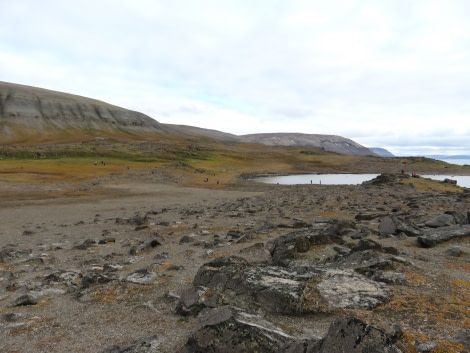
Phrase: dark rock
x=394 y=225
x=144 y=345
x=425 y=347
x=367 y=244
x=369 y=216
x=234 y=234
x=106 y=241
x=187 y=239
x=366 y=262
x=161 y=256
x=290 y=291
x=388 y=277
x=295 y=224
x=193 y=300
x=355 y=336
x=231 y=330
x=86 y=244
x=26 y=299
x=71 y=279
x=347 y=335
x=449 y=181
x=455 y=252
x=440 y=235
x=135 y=250
x=217 y=272
x=284 y=248
x=92 y=278
x=6 y=253
x=459 y=218
x=138 y=220
x=440 y=221
x=463 y=336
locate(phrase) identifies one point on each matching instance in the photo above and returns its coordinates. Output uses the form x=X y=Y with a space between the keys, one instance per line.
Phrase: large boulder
x=348 y=289
x=231 y=330
x=284 y=248
x=441 y=220
x=350 y=335
x=282 y=290
x=394 y=225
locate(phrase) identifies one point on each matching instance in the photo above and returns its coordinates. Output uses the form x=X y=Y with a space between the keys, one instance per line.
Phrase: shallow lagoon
x=347 y=179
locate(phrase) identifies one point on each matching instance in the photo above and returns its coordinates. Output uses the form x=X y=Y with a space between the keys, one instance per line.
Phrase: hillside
x=31 y=115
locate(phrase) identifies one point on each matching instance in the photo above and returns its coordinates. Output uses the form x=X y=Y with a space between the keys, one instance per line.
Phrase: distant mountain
x=330 y=143
x=443 y=156
x=31 y=116
x=381 y=152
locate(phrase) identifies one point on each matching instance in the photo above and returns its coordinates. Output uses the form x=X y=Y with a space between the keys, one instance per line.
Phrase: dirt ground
x=45 y=224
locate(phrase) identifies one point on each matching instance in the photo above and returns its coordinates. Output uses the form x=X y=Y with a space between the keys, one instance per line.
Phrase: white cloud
x=390 y=73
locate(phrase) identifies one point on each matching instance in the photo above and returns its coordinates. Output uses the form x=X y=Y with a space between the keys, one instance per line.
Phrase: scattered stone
x=426 y=346
x=135 y=250
x=107 y=241
x=455 y=252
x=144 y=345
x=143 y=276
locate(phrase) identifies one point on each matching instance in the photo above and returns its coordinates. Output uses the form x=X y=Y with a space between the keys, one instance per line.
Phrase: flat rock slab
x=347 y=289
x=440 y=235
x=230 y=330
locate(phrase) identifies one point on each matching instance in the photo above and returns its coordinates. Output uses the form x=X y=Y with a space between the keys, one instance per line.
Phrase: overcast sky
x=388 y=73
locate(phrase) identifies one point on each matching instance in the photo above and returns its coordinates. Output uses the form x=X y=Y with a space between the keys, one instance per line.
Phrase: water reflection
x=347 y=179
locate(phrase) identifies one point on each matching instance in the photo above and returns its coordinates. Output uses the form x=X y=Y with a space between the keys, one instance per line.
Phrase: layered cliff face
x=331 y=143
x=30 y=114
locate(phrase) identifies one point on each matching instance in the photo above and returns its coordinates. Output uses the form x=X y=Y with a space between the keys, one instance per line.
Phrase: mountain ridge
x=32 y=115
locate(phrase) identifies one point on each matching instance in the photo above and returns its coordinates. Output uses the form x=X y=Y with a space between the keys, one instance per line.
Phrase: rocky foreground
x=379 y=267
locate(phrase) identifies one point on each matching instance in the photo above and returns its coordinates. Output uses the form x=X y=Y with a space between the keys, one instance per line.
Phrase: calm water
x=346 y=179
x=325 y=179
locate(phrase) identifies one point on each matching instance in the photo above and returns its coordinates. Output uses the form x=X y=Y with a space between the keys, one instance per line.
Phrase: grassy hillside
x=193 y=160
